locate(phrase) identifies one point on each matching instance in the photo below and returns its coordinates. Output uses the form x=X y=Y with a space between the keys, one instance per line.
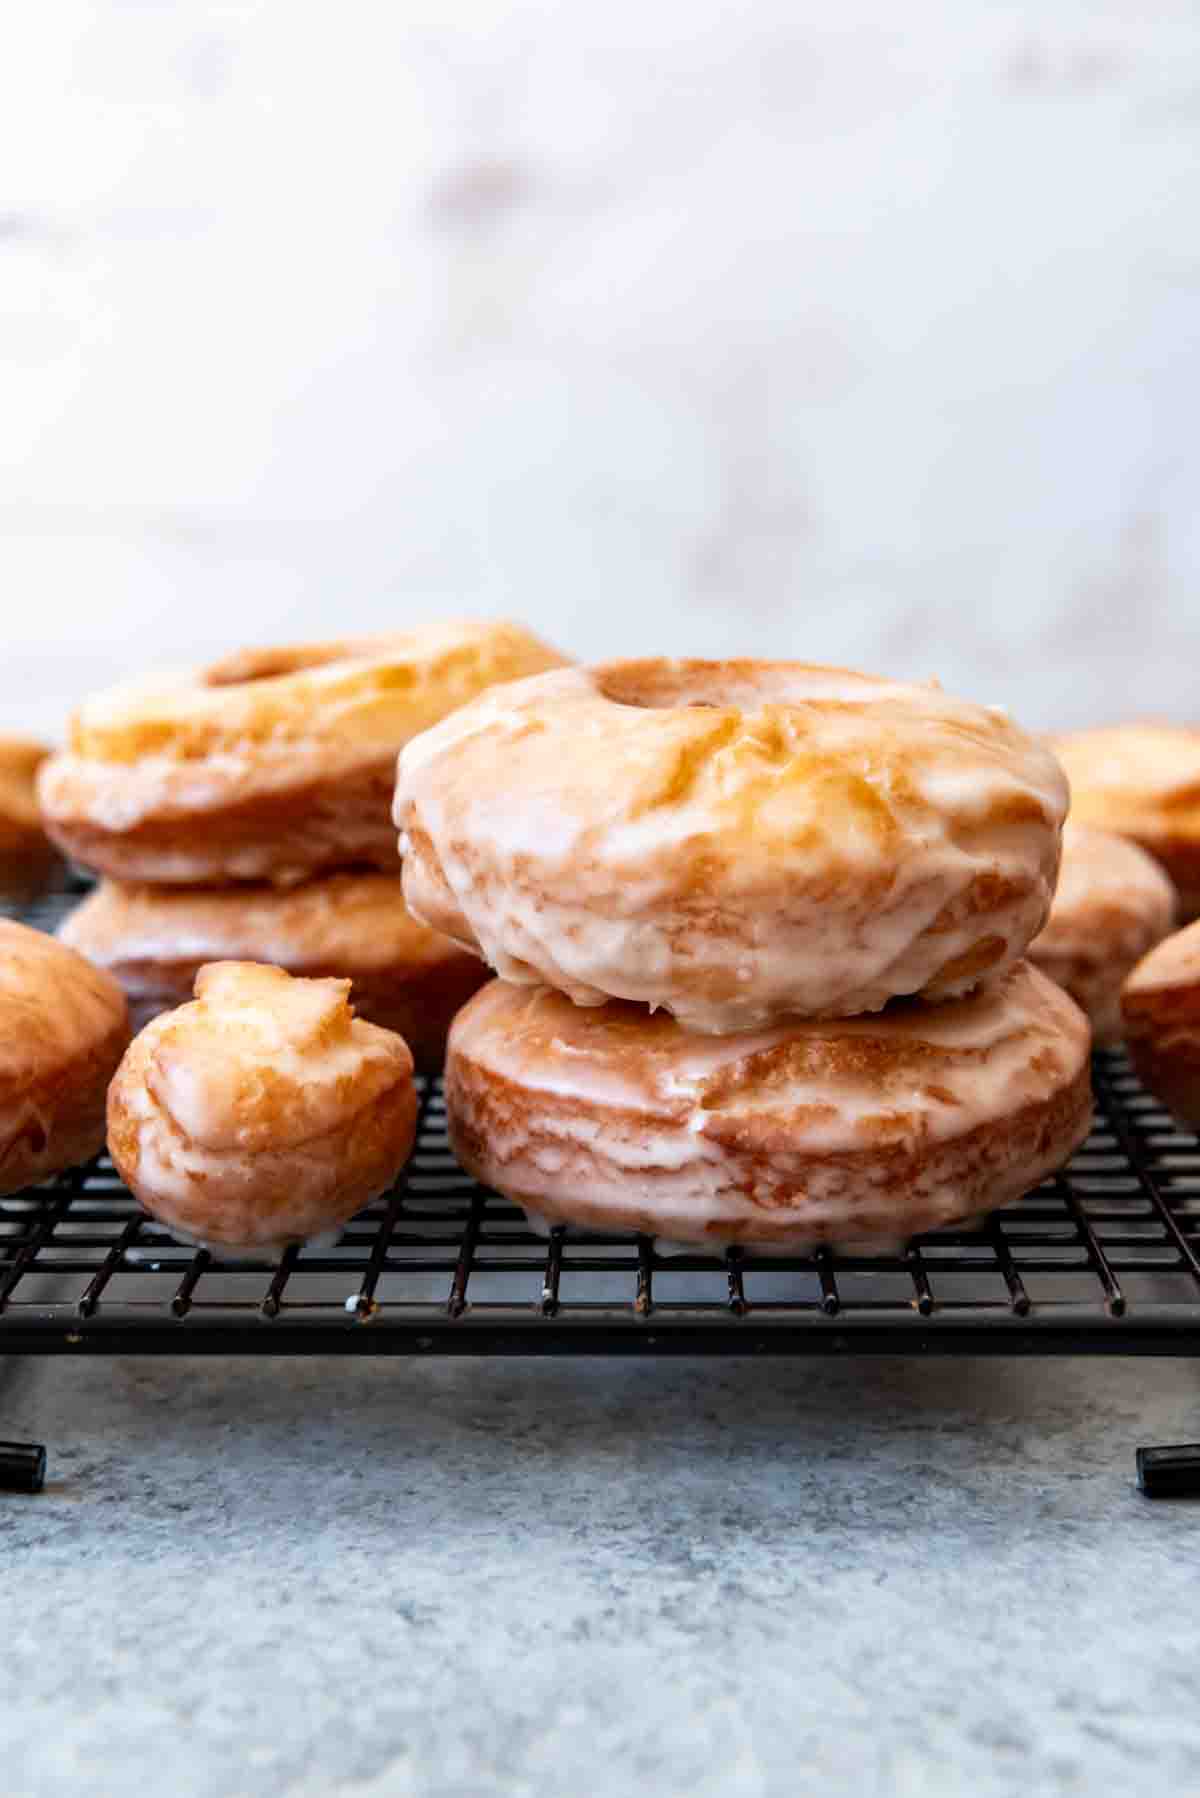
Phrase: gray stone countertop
x=317 y=1578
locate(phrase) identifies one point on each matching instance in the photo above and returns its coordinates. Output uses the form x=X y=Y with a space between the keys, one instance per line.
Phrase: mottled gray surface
x=313 y=1578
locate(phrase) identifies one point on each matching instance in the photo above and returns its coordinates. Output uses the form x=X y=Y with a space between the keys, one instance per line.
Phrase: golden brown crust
x=405 y=977
x=1160 y=1004
x=1113 y=903
x=27 y=857
x=271 y=765
x=63 y=1028
x=859 y=1129
x=732 y=841
x=331 y=820
x=1142 y=781
x=262 y=1113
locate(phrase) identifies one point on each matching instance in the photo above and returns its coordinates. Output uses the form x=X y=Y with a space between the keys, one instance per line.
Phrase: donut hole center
x=247 y=665
x=654 y=685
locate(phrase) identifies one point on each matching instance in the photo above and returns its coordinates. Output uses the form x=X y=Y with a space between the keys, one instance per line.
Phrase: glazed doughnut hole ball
x=263 y=1112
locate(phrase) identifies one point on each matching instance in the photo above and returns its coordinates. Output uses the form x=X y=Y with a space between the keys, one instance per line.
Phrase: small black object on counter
x=23 y=1466
x=1169 y=1472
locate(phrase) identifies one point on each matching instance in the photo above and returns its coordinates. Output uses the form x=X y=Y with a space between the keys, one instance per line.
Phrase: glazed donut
x=63 y=1029
x=272 y=765
x=27 y=857
x=263 y=1112
x=1143 y=782
x=1160 y=1005
x=1113 y=904
x=847 y=1131
x=735 y=842
x=407 y=978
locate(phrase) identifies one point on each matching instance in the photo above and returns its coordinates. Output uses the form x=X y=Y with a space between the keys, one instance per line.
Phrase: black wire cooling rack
x=1103 y=1258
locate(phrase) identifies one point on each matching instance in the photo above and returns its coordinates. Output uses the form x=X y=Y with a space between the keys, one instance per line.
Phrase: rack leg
x=1169 y=1472
x=23 y=1466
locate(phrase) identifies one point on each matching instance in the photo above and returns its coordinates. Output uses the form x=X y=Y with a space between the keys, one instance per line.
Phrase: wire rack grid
x=1103 y=1258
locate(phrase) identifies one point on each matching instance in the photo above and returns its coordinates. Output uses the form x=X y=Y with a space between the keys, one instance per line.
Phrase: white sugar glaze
x=981 y=1053
x=293 y=1049
x=612 y=1119
x=172 y=776
x=357 y=920
x=810 y=858
x=1104 y=877
x=1112 y=905
x=235 y=1118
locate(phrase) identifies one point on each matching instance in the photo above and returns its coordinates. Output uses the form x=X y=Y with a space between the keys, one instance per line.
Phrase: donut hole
x=665 y=685
x=247 y=665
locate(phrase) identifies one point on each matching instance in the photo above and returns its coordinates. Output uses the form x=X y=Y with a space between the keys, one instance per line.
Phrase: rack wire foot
x=23 y=1466
x=1172 y=1471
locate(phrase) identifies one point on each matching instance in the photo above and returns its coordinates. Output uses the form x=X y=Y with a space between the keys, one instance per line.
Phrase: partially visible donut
x=262 y=1113
x=858 y=1130
x=1160 y=1005
x=271 y=765
x=405 y=977
x=27 y=858
x=1113 y=903
x=63 y=1029
x=734 y=842
x=1143 y=782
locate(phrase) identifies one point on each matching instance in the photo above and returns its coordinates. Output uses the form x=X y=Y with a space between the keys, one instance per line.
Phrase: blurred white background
x=858 y=332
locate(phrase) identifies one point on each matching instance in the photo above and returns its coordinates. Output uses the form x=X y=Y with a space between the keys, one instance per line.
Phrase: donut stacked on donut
x=759 y=928
x=404 y=976
x=242 y=812
x=274 y=764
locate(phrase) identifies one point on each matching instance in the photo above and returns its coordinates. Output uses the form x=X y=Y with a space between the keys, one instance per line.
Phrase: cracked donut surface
x=272 y=764
x=734 y=842
x=854 y=1130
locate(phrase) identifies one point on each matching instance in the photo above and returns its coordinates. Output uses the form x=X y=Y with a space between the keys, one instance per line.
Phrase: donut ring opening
x=245 y=666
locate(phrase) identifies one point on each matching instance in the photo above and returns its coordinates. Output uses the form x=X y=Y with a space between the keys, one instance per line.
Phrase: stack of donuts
x=785 y=955
x=240 y=817
x=241 y=812
x=760 y=931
